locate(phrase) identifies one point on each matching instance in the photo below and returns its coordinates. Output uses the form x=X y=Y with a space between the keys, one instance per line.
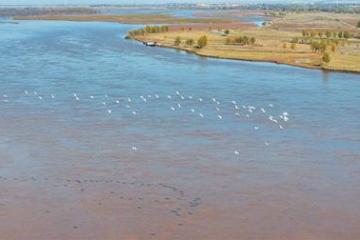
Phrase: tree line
x=240 y=40
x=201 y=42
x=327 y=34
x=149 y=29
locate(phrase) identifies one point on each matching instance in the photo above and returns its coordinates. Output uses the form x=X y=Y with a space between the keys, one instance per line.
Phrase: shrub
x=177 y=41
x=202 y=41
x=241 y=40
x=326 y=58
x=189 y=42
x=252 y=40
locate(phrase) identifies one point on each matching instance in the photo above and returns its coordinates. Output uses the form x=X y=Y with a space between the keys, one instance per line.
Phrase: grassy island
x=304 y=39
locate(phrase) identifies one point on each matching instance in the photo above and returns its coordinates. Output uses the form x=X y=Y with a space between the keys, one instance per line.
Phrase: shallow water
x=77 y=164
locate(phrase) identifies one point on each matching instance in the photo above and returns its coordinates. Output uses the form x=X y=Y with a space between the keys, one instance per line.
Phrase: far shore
x=126 y=19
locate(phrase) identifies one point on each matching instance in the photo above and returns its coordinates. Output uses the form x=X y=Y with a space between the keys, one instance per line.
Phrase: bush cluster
x=241 y=40
x=149 y=29
x=327 y=34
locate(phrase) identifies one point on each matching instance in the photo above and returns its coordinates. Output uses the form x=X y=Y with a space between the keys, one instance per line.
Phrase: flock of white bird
x=177 y=100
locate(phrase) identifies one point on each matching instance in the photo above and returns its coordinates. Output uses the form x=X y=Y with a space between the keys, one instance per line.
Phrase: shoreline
x=324 y=69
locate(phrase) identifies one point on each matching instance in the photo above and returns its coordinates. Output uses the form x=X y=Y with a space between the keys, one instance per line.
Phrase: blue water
x=82 y=131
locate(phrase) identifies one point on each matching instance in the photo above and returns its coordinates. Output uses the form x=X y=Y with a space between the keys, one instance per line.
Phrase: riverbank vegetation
x=331 y=48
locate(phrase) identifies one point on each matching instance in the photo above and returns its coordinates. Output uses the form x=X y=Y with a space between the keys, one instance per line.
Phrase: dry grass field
x=266 y=48
x=273 y=42
x=317 y=21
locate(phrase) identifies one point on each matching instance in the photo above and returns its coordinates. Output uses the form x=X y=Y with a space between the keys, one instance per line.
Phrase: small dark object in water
x=151 y=44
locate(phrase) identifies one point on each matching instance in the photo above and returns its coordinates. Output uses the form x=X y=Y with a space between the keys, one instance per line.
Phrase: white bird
x=35 y=93
x=106 y=96
x=129 y=99
x=233 y=102
x=190 y=97
x=26 y=92
x=267 y=143
x=134 y=148
x=263 y=110
x=109 y=111
x=192 y=110
x=220 y=117
x=217 y=109
x=271 y=118
x=117 y=101
x=201 y=115
x=133 y=112
x=271 y=105
x=77 y=98
x=179 y=105
x=200 y=99
x=91 y=97
x=237 y=114
x=182 y=97
x=236 y=152
x=172 y=109
x=213 y=99
x=168 y=96
x=236 y=107
x=256 y=128
x=281 y=127
x=5 y=96
x=247 y=115
x=40 y=97
x=104 y=103
x=52 y=96
x=177 y=93
x=157 y=96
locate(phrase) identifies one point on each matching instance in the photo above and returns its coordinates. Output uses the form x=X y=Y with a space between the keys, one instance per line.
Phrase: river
x=104 y=138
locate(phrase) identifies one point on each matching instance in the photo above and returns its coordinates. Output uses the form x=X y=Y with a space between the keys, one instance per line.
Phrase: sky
x=30 y=2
